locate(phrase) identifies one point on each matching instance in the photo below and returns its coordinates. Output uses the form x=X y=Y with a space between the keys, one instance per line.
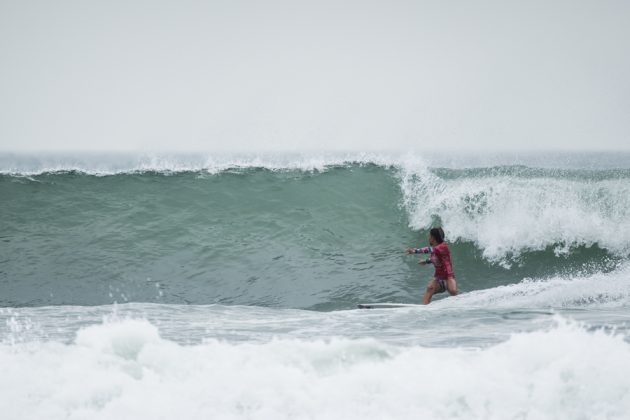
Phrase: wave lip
x=111 y=163
x=123 y=163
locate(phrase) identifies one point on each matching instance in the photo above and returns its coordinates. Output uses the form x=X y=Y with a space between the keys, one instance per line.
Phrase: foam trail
x=596 y=291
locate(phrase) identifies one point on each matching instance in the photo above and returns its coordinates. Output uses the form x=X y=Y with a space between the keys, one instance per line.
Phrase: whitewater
x=154 y=286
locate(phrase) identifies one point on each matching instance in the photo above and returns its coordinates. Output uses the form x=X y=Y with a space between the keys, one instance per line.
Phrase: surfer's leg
x=451 y=286
x=432 y=288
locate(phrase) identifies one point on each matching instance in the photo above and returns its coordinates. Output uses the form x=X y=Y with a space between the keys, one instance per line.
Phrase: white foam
x=123 y=339
x=506 y=215
x=564 y=372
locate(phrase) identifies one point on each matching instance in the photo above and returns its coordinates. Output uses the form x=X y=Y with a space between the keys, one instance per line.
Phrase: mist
x=314 y=75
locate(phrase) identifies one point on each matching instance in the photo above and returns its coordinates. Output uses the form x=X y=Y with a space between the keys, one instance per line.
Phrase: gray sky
x=296 y=75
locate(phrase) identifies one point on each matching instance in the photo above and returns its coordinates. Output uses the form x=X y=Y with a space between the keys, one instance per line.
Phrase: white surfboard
x=386 y=305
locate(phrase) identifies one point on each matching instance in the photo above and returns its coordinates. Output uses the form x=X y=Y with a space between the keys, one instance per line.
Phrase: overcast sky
x=314 y=74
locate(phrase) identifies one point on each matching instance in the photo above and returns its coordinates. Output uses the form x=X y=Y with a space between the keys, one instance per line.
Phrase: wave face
x=317 y=232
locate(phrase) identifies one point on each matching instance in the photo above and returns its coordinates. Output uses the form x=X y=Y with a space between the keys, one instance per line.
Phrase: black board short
x=441 y=285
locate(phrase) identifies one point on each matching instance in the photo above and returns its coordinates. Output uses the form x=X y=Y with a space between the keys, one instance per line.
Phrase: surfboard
x=386 y=305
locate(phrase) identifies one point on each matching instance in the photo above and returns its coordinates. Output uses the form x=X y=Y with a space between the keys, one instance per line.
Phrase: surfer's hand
x=422 y=262
x=411 y=251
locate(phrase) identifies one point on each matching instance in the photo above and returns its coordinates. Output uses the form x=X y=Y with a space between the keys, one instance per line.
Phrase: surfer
x=443 y=278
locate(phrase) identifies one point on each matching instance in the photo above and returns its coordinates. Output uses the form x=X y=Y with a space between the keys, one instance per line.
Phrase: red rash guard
x=440 y=258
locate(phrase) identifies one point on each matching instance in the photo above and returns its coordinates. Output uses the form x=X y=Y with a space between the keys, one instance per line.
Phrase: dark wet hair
x=437 y=234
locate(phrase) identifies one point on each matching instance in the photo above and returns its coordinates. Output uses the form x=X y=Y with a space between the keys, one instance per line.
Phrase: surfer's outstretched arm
x=424 y=250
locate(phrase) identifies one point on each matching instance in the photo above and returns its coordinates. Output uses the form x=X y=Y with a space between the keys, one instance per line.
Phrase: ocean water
x=216 y=286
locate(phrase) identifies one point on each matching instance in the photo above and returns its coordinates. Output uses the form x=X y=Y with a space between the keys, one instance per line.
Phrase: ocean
x=218 y=286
